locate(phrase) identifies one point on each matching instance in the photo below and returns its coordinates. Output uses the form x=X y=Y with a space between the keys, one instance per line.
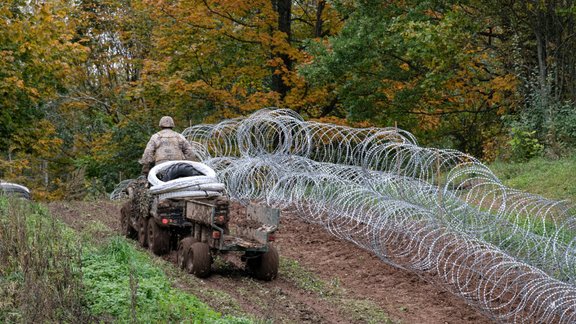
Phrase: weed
x=123 y=283
x=551 y=179
x=39 y=266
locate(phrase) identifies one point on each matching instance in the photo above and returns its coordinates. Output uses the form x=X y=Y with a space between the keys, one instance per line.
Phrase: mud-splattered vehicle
x=198 y=228
x=14 y=190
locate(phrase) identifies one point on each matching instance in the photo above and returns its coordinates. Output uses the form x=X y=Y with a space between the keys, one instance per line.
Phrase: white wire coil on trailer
x=202 y=186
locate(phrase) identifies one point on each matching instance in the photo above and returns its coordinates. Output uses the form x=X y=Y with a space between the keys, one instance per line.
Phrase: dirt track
x=354 y=286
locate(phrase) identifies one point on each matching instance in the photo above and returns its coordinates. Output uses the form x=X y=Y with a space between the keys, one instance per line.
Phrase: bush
x=524 y=145
x=544 y=120
x=40 y=279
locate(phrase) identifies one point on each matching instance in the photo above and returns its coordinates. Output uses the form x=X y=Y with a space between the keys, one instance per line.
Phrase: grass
x=366 y=311
x=51 y=274
x=550 y=179
x=40 y=277
x=306 y=280
x=124 y=284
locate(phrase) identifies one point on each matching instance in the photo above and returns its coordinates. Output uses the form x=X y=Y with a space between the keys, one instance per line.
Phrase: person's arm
x=187 y=150
x=147 y=159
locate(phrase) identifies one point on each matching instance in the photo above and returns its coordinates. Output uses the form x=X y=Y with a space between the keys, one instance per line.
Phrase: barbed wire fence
x=440 y=213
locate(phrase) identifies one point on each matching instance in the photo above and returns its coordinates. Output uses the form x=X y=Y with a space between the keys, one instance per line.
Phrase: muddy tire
x=125 y=225
x=158 y=238
x=265 y=266
x=143 y=232
x=182 y=252
x=199 y=260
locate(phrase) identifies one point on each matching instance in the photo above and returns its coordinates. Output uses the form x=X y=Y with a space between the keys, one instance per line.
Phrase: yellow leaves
x=101 y=147
x=507 y=82
x=44 y=140
x=392 y=87
x=332 y=120
x=428 y=119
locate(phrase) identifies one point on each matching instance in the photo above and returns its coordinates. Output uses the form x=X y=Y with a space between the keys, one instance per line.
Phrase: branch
x=186 y=22
x=227 y=16
x=442 y=113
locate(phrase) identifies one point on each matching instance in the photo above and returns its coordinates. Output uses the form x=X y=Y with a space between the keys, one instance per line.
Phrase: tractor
x=198 y=228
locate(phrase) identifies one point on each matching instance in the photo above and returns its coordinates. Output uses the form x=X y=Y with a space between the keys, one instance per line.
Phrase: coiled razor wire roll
x=440 y=213
x=202 y=186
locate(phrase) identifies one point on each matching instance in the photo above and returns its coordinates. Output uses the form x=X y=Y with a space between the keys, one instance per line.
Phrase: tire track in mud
x=354 y=278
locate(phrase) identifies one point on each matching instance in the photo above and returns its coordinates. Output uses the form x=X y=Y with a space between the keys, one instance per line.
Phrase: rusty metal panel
x=263 y=214
x=199 y=212
x=260 y=221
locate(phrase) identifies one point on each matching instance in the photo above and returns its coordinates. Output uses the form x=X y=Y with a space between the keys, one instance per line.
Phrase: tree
x=423 y=65
x=38 y=59
x=541 y=34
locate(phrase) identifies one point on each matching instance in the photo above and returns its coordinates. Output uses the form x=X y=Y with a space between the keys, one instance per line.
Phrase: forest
x=83 y=83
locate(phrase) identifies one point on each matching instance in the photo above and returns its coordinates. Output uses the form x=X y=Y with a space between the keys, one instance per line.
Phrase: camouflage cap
x=166 y=122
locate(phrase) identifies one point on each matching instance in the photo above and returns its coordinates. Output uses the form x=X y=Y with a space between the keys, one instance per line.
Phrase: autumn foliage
x=83 y=83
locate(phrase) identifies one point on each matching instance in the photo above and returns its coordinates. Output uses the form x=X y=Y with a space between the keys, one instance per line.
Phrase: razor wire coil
x=440 y=213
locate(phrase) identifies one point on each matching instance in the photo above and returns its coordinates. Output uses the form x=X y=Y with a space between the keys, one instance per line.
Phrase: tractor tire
x=180 y=170
x=265 y=266
x=182 y=254
x=125 y=225
x=199 y=260
x=143 y=232
x=158 y=238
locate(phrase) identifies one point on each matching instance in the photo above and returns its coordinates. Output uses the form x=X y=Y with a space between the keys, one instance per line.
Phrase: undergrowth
x=40 y=278
x=123 y=283
x=51 y=274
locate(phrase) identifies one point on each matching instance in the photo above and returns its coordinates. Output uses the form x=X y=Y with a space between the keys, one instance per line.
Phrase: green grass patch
x=366 y=311
x=51 y=274
x=124 y=284
x=549 y=178
x=305 y=279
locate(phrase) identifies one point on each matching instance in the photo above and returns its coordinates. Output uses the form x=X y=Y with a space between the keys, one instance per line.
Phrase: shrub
x=40 y=279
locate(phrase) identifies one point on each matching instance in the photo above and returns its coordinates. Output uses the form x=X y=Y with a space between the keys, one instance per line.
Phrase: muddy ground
x=322 y=279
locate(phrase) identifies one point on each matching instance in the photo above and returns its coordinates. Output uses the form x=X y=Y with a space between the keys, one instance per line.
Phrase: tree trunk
x=319 y=21
x=284 y=10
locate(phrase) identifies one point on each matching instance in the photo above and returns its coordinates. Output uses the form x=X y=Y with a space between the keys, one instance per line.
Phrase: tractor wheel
x=183 y=247
x=126 y=227
x=180 y=170
x=158 y=238
x=199 y=260
x=143 y=232
x=265 y=266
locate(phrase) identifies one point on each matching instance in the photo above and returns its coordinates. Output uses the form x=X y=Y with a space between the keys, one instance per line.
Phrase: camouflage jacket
x=167 y=145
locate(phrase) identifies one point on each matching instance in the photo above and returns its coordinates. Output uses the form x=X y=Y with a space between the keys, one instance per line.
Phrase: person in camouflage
x=166 y=145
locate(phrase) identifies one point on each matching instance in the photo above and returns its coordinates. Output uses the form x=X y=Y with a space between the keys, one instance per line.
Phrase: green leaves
x=420 y=64
x=122 y=282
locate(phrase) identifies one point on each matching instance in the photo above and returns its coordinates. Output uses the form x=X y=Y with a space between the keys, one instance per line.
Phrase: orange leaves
x=230 y=54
